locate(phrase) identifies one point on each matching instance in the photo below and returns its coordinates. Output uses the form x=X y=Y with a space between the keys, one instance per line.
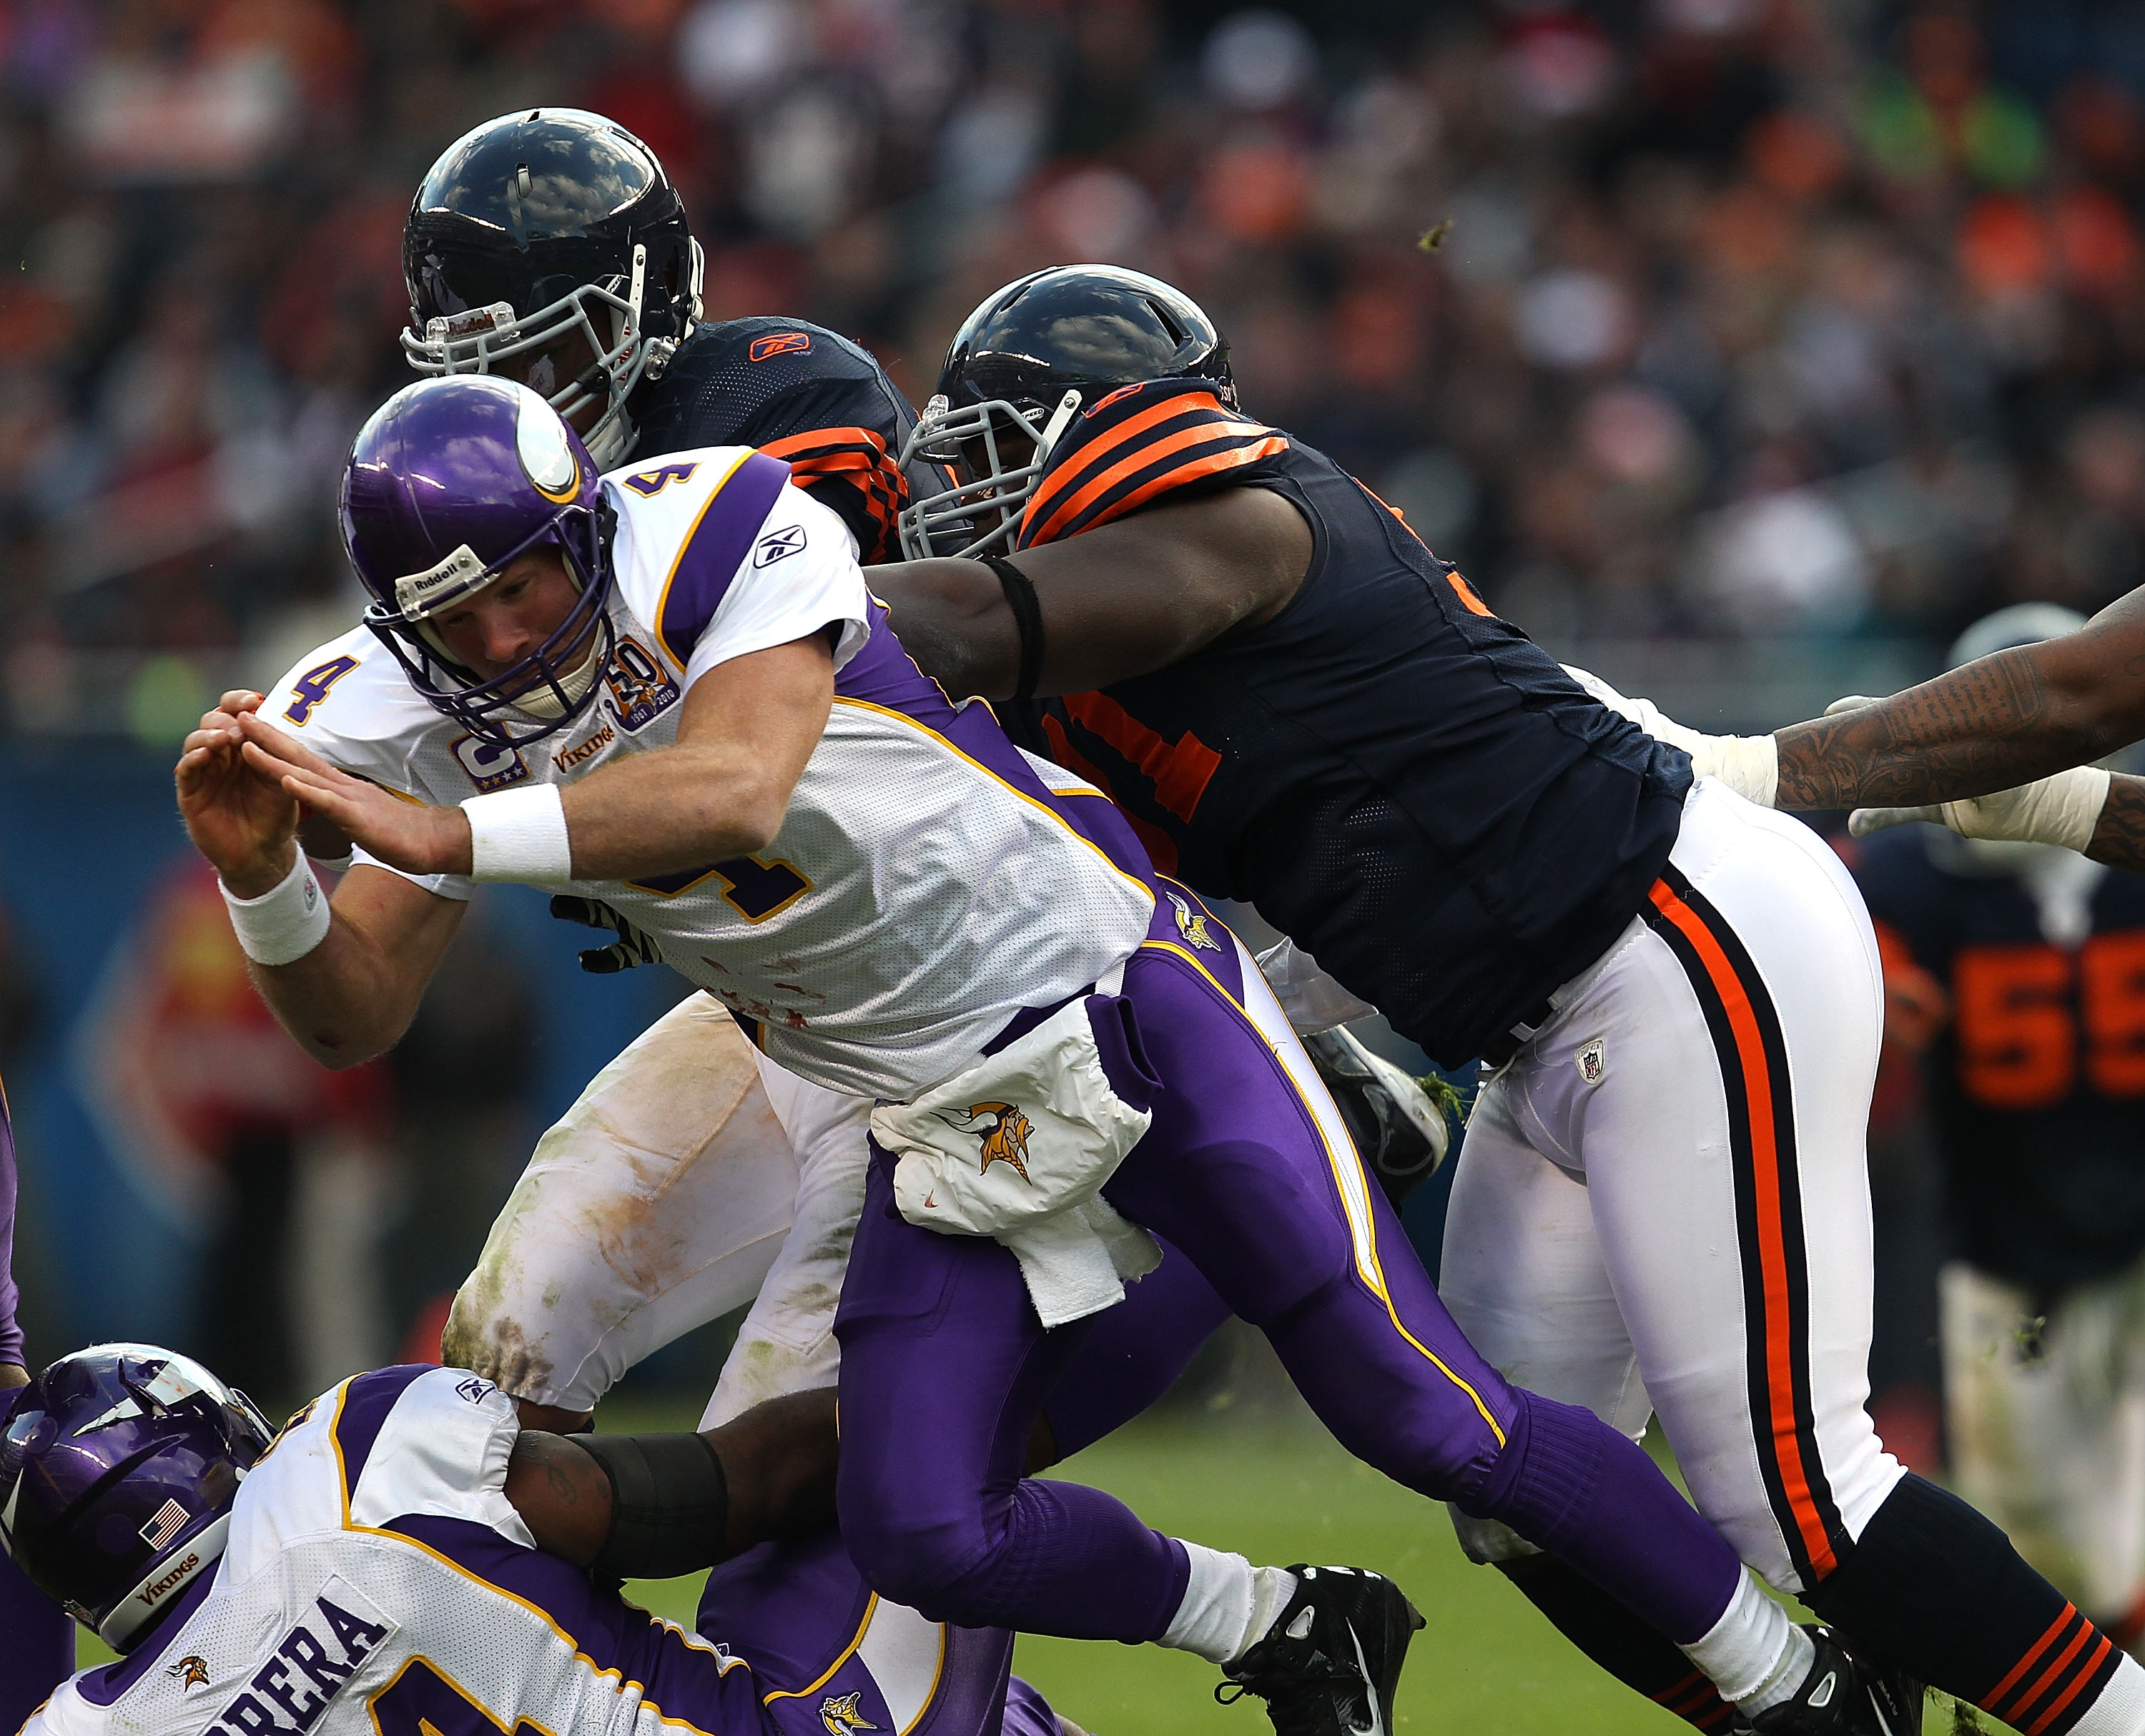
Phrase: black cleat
x=1845 y=1695
x=1329 y=1664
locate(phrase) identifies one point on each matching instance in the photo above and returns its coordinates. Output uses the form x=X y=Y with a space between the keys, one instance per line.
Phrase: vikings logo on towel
x=1004 y=1140
x=840 y=1715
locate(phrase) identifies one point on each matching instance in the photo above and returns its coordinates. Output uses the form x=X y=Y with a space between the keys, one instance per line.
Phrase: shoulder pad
x=1140 y=442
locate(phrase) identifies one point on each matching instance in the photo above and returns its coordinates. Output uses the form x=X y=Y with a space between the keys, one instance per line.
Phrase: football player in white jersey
x=896 y=903
x=404 y=1559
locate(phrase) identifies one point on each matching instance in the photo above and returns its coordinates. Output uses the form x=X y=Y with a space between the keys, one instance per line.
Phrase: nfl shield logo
x=1593 y=1061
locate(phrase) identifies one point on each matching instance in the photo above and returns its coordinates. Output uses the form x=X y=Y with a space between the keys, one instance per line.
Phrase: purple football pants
x=945 y=1365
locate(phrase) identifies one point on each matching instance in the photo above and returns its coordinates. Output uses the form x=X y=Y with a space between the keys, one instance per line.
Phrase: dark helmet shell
x=1089 y=326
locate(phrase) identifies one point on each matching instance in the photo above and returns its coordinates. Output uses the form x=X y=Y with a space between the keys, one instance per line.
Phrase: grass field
x=1486 y=1664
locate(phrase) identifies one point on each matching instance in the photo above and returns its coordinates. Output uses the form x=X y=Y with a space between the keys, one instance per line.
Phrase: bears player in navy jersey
x=1662 y=1203
x=549 y=245
x=2034 y=1087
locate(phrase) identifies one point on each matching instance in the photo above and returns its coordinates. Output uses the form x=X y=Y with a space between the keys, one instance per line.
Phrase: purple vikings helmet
x=452 y=481
x=117 y=1474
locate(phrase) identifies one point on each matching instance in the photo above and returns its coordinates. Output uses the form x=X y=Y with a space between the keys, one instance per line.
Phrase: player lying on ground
x=1662 y=1200
x=405 y=1561
x=894 y=898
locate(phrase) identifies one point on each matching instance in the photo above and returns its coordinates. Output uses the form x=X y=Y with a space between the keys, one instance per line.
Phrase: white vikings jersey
x=927 y=884
x=378 y=1583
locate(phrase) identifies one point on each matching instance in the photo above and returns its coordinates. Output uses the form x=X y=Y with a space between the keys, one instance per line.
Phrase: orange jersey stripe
x=2053 y=1673
x=1051 y=499
x=2084 y=1675
x=1201 y=434
x=1772 y=1249
x=2026 y=1663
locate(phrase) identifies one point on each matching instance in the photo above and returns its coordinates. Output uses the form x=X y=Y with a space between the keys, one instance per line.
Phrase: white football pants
x=2047 y=1428
x=1662 y=1202
x=689 y=1178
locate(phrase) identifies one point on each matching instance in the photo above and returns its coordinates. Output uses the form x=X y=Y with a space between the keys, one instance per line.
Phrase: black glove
x=1400 y=1130
x=631 y=947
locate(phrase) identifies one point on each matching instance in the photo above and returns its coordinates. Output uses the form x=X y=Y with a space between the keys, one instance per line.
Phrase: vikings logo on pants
x=1004 y=1140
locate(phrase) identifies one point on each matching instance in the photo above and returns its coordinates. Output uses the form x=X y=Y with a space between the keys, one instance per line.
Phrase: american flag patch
x=164 y=1524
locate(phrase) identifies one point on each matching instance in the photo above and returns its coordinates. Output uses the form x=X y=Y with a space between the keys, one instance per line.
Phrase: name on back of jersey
x=308 y=1667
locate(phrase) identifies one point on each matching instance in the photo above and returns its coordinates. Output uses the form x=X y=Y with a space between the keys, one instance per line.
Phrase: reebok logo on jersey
x=1004 y=1131
x=778 y=343
x=841 y=1717
x=476 y=1389
x=308 y=1667
x=1593 y=1061
x=784 y=543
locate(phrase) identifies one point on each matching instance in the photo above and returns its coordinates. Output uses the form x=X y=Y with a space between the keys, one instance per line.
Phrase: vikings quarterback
x=403 y=1558
x=669 y=690
x=1662 y=1202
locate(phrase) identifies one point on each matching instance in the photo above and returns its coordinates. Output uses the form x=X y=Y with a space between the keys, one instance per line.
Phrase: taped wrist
x=669 y=1505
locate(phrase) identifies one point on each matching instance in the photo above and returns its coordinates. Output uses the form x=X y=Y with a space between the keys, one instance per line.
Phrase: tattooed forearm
x=1985 y=726
x=561 y=1494
x=2119 y=839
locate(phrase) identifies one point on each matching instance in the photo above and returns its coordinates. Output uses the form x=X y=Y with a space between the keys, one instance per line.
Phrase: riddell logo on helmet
x=778 y=343
x=154 y=1591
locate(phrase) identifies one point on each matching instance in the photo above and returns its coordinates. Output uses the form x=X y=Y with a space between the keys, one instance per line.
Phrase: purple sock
x=1569 y=1484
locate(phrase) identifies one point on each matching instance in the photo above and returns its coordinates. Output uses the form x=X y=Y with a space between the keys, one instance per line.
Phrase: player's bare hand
x=416 y=836
x=241 y=821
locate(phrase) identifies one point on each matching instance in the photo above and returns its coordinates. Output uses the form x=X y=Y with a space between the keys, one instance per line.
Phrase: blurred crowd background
x=1743 y=349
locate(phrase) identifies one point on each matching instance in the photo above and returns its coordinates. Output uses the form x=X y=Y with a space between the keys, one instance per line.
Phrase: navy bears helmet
x=549 y=245
x=1031 y=354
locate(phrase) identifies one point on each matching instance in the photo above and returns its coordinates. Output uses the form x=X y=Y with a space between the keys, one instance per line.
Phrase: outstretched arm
x=1123 y=600
x=747 y=728
x=1988 y=725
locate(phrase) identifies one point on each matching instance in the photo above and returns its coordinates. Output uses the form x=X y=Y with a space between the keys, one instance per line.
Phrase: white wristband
x=520 y=834
x=282 y=924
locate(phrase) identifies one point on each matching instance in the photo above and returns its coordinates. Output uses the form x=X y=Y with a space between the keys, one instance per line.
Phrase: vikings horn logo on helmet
x=1005 y=1137
x=840 y=1715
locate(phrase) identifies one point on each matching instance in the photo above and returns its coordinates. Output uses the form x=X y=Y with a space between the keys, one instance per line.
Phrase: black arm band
x=669 y=1505
x=1028 y=616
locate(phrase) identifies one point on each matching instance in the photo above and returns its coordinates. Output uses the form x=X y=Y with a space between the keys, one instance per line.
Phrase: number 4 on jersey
x=312 y=687
x=755 y=890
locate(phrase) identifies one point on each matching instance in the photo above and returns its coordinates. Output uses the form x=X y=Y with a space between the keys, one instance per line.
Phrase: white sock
x=1228 y=1604
x=1755 y=1656
x=2118 y=1709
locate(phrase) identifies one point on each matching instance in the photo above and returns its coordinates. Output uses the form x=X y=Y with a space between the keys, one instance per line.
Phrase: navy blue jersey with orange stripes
x=799 y=393
x=1398 y=779
x=2036 y=1088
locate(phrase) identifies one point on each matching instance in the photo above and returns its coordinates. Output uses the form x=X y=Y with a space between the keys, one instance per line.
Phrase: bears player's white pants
x=1662 y=1202
x=688 y=1178
x=2047 y=1428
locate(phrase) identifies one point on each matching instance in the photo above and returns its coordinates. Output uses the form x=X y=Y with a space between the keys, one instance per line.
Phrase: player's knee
x=913 y=1559
x=1486 y=1542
